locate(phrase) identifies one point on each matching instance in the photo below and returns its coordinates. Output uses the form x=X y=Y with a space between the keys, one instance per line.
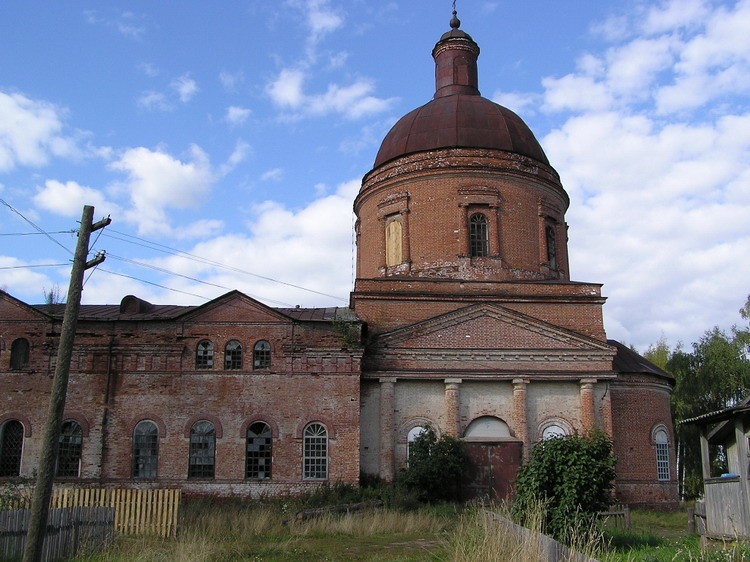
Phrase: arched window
x=479 y=239
x=145 y=450
x=552 y=431
x=487 y=427
x=202 y=450
x=19 y=354
x=258 y=451
x=661 y=439
x=551 y=236
x=414 y=432
x=316 y=452
x=11 y=447
x=262 y=355
x=69 y=450
x=204 y=355
x=233 y=355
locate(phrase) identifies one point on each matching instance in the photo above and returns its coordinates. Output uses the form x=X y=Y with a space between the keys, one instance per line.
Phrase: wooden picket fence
x=136 y=511
x=70 y=531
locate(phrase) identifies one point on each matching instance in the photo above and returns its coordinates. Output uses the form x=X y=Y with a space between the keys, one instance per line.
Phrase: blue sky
x=227 y=142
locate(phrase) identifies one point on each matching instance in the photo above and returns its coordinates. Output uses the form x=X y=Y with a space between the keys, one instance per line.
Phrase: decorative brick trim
x=18 y=416
x=218 y=428
x=80 y=419
x=160 y=425
x=265 y=418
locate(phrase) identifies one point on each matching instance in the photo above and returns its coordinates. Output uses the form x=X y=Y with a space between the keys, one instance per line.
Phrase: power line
x=37 y=233
x=38 y=229
x=280 y=303
x=179 y=253
x=36 y=265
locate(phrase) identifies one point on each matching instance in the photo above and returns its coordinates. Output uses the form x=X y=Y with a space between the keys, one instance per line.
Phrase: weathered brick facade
x=463 y=318
x=134 y=366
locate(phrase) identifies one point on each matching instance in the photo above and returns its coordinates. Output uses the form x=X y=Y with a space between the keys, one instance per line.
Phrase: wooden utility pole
x=46 y=473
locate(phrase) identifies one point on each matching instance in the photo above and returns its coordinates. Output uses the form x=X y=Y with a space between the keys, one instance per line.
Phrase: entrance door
x=493 y=469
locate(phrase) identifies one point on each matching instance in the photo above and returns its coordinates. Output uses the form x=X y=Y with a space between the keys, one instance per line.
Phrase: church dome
x=458 y=116
x=460 y=121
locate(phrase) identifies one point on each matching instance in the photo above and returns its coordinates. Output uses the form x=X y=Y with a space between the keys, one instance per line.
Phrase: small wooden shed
x=726 y=498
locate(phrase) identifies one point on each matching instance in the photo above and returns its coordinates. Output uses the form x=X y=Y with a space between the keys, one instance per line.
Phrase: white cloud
x=154 y=100
x=240 y=153
x=27 y=283
x=185 y=87
x=353 y=101
x=318 y=233
x=659 y=205
x=157 y=181
x=274 y=174
x=231 y=80
x=31 y=132
x=286 y=89
x=321 y=19
x=149 y=69
x=237 y=115
x=67 y=199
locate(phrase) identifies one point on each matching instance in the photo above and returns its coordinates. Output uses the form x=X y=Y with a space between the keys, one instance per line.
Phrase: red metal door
x=493 y=468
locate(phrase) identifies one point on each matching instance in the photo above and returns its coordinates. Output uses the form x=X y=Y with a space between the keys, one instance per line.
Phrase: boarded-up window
x=19 y=354
x=393 y=243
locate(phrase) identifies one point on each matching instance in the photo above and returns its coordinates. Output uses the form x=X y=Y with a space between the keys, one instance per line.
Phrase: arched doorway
x=495 y=457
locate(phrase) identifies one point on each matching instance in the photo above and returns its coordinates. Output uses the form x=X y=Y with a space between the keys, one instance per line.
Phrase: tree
x=570 y=478
x=714 y=376
x=435 y=467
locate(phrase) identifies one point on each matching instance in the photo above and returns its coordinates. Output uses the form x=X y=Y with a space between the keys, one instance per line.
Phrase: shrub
x=435 y=467
x=571 y=477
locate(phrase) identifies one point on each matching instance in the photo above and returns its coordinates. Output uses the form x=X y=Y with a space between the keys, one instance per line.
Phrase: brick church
x=463 y=318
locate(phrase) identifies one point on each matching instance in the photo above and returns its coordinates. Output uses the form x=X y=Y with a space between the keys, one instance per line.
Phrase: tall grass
x=484 y=534
x=219 y=531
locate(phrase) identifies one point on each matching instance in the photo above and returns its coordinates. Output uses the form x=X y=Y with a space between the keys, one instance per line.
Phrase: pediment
x=12 y=308
x=235 y=307
x=487 y=326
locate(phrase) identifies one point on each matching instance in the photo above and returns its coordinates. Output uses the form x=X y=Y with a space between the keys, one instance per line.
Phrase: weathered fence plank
x=70 y=531
x=136 y=511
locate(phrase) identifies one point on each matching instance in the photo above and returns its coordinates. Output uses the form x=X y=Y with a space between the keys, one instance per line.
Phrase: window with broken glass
x=258 y=451
x=145 y=450
x=204 y=355
x=262 y=355
x=69 y=450
x=233 y=355
x=202 y=450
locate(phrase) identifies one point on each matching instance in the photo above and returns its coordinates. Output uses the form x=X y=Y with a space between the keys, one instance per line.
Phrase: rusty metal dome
x=458 y=116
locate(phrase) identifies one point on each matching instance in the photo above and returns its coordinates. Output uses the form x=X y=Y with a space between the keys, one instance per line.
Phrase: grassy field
x=271 y=532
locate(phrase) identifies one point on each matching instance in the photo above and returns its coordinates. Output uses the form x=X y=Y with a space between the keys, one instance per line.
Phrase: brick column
x=387 y=441
x=406 y=238
x=588 y=414
x=606 y=411
x=452 y=407
x=520 y=414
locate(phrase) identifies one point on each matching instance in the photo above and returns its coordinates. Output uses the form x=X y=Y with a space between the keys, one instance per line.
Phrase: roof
x=115 y=312
x=628 y=361
x=720 y=415
x=460 y=121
